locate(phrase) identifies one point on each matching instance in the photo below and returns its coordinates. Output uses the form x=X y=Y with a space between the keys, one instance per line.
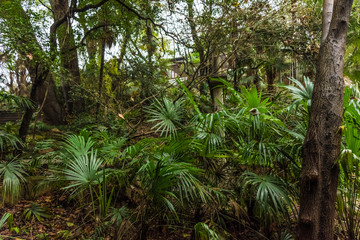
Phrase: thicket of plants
x=198 y=175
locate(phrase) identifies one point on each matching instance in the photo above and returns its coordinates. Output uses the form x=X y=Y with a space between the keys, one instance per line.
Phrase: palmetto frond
x=167 y=116
x=302 y=93
x=77 y=145
x=12 y=174
x=20 y=101
x=270 y=195
x=209 y=130
x=9 y=139
x=164 y=182
x=111 y=148
x=83 y=171
x=204 y=232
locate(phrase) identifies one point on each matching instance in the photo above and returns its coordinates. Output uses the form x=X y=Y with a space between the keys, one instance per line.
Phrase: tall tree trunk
x=101 y=74
x=69 y=58
x=21 y=77
x=216 y=92
x=115 y=84
x=42 y=82
x=319 y=176
x=270 y=77
x=198 y=45
x=37 y=80
x=148 y=82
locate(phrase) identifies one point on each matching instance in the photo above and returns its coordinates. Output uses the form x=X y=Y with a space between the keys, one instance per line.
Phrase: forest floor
x=61 y=219
x=58 y=217
x=66 y=220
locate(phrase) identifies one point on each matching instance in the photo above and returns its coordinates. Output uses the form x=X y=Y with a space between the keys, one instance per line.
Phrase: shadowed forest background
x=179 y=119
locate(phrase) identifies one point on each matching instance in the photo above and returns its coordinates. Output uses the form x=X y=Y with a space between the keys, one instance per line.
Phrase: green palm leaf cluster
x=302 y=93
x=270 y=195
x=7 y=139
x=167 y=116
x=12 y=174
x=36 y=211
x=160 y=179
x=209 y=132
x=83 y=171
x=20 y=101
x=77 y=145
x=349 y=161
x=190 y=169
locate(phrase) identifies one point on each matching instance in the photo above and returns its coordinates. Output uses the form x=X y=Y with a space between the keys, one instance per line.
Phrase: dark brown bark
x=270 y=77
x=69 y=58
x=319 y=177
x=53 y=112
x=41 y=82
x=25 y=123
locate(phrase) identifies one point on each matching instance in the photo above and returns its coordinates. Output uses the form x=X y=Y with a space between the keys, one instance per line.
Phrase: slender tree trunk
x=235 y=59
x=270 y=77
x=319 y=176
x=216 y=92
x=328 y=7
x=115 y=84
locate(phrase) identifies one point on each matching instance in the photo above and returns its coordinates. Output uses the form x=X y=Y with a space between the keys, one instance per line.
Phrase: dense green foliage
x=141 y=144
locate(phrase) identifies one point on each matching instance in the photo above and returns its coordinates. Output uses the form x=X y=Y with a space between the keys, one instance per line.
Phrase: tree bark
x=319 y=176
x=270 y=77
x=68 y=55
x=198 y=45
x=147 y=83
x=101 y=75
x=328 y=7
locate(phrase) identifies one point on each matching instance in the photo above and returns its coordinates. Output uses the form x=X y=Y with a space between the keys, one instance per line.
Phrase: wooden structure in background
x=6 y=116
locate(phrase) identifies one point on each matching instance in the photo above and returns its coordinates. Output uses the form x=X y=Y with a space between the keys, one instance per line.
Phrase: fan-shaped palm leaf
x=162 y=180
x=83 y=171
x=77 y=145
x=301 y=93
x=270 y=195
x=18 y=100
x=9 y=139
x=167 y=115
x=12 y=174
x=209 y=132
